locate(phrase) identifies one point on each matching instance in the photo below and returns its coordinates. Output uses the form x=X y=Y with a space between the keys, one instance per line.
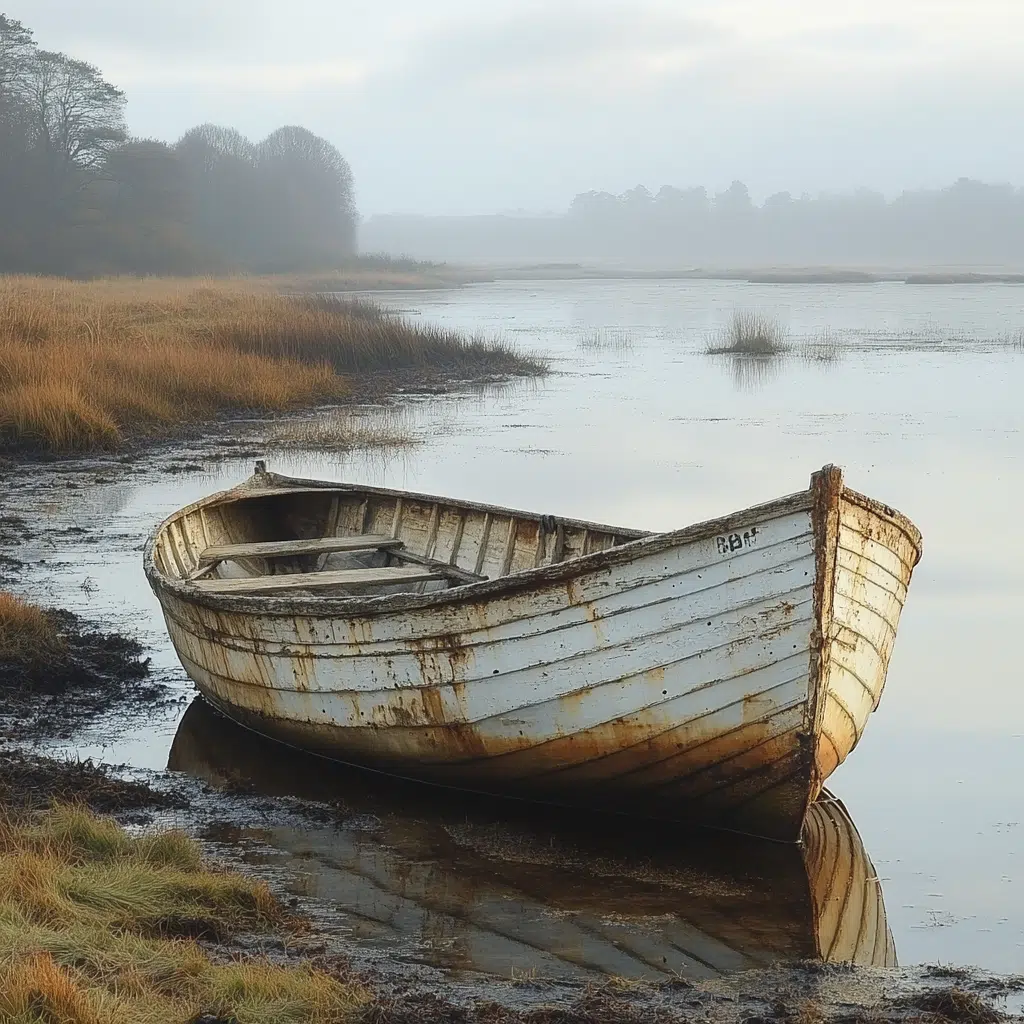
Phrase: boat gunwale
x=890 y=515
x=362 y=606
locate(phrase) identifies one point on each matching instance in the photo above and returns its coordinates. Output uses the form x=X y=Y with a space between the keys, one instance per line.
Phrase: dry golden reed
x=83 y=365
x=27 y=633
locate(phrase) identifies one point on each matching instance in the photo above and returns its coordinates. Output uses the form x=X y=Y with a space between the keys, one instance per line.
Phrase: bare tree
x=313 y=188
x=76 y=115
x=209 y=144
x=16 y=51
x=16 y=47
x=74 y=119
x=76 y=196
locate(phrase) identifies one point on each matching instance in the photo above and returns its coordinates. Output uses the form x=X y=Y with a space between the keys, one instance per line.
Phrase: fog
x=967 y=224
x=458 y=109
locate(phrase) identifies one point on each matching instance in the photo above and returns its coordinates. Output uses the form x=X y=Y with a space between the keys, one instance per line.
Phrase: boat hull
x=714 y=676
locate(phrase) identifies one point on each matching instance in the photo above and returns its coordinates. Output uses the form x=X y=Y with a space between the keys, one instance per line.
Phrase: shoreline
x=231 y=822
x=397 y=991
x=754 y=275
x=107 y=363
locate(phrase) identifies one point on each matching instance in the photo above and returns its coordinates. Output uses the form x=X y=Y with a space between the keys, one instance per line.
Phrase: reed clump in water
x=100 y=927
x=750 y=334
x=615 y=340
x=344 y=431
x=86 y=365
x=826 y=347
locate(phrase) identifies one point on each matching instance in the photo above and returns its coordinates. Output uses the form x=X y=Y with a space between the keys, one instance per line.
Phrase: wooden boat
x=715 y=674
x=471 y=882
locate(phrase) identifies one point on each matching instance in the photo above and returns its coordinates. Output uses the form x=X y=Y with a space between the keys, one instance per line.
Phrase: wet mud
x=87 y=672
x=456 y=907
x=31 y=782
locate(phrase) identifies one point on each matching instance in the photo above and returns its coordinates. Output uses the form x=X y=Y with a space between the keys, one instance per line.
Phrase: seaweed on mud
x=972 y=980
x=30 y=782
x=598 y=1004
x=13 y=529
x=956 y=1005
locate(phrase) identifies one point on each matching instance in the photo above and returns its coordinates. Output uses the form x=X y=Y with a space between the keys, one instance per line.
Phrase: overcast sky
x=464 y=106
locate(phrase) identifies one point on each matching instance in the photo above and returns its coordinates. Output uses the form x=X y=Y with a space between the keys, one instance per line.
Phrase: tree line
x=967 y=223
x=80 y=196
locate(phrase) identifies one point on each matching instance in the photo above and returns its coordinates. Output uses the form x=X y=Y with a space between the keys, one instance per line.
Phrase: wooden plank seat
x=285 y=548
x=310 y=580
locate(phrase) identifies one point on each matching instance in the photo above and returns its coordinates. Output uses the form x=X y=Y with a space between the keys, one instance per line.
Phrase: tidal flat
x=918 y=402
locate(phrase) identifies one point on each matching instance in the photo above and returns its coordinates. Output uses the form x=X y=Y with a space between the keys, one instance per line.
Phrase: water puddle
x=637 y=425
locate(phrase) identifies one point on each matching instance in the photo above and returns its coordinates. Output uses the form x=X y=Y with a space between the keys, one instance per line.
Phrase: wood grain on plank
x=316 y=546
x=307 y=580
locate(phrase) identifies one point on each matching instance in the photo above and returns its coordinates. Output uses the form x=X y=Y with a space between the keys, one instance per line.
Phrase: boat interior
x=348 y=541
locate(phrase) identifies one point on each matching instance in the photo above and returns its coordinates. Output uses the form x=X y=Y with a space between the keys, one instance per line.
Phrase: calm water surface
x=636 y=425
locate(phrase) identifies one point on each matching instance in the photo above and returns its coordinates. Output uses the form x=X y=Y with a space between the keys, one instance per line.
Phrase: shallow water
x=638 y=426
x=429 y=875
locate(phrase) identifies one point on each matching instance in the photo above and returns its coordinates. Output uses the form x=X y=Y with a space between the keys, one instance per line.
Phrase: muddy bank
x=805 y=995
x=79 y=672
x=241 y=797
x=403 y=993
x=31 y=782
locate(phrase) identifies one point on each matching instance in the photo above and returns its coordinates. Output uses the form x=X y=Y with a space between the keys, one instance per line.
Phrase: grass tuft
x=827 y=347
x=616 y=340
x=28 y=635
x=100 y=927
x=750 y=334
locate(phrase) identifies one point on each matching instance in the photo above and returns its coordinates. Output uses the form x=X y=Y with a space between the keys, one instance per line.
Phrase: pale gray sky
x=459 y=106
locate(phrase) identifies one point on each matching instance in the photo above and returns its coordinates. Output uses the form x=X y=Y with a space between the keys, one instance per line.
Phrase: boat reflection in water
x=476 y=883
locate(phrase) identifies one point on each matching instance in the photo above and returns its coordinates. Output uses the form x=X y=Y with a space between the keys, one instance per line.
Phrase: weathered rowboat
x=473 y=882
x=716 y=674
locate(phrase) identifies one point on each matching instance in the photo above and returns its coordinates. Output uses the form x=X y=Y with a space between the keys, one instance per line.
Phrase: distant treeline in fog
x=968 y=223
x=79 y=196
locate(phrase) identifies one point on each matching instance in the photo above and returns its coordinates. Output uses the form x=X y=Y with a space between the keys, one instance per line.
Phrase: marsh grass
x=343 y=430
x=100 y=927
x=826 y=347
x=750 y=334
x=85 y=365
x=28 y=635
x=609 y=339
